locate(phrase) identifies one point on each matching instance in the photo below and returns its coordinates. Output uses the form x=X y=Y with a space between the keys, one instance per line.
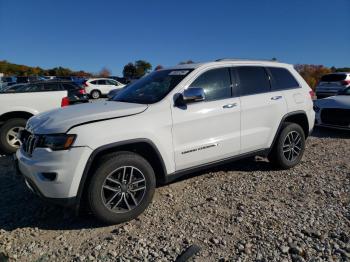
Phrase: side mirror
x=193 y=94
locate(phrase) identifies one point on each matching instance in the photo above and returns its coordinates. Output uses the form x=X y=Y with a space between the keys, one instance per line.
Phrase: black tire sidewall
x=9 y=124
x=279 y=156
x=94 y=191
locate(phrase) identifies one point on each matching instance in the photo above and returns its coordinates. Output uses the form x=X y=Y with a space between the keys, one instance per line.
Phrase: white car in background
x=330 y=84
x=97 y=87
x=334 y=111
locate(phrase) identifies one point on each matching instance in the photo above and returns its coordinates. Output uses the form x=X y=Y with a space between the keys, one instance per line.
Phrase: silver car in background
x=334 y=111
x=330 y=84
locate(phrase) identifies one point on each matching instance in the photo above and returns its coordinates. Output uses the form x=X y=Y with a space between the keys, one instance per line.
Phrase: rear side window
x=282 y=79
x=94 y=82
x=102 y=82
x=216 y=84
x=252 y=80
x=333 y=77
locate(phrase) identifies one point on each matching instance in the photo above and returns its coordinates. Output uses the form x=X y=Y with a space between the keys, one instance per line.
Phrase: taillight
x=85 y=84
x=312 y=94
x=82 y=91
x=65 y=102
x=345 y=82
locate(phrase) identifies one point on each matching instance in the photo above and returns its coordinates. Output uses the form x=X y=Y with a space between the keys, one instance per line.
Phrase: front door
x=209 y=130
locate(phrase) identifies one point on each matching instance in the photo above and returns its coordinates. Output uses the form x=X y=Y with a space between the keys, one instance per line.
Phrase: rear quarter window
x=282 y=79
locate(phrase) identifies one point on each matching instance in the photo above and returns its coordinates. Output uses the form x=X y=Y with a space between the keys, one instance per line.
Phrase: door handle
x=230 y=105
x=276 y=97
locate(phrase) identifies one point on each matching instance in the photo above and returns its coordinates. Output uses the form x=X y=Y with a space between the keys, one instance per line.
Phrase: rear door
x=209 y=130
x=283 y=81
x=261 y=108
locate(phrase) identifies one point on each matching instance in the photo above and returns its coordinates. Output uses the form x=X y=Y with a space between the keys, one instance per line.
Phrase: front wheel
x=9 y=131
x=121 y=188
x=289 y=146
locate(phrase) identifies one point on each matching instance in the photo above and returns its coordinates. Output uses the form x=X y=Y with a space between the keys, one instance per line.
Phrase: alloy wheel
x=12 y=136
x=292 y=146
x=123 y=189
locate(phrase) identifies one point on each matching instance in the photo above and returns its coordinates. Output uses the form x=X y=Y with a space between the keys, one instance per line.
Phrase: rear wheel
x=289 y=147
x=95 y=94
x=9 y=131
x=121 y=188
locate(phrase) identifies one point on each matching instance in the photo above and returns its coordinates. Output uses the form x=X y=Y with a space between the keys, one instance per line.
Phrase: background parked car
x=8 y=80
x=334 y=111
x=77 y=80
x=17 y=106
x=27 y=79
x=97 y=87
x=330 y=84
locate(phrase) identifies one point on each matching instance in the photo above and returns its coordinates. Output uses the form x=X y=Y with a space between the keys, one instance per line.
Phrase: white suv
x=331 y=84
x=170 y=123
x=96 y=87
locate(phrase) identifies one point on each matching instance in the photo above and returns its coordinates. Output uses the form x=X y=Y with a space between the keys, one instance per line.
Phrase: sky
x=89 y=35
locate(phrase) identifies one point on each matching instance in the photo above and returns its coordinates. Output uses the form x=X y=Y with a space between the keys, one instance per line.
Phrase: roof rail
x=240 y=59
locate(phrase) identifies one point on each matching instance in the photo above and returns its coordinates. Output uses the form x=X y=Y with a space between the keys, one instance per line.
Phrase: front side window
x=153 y=87
x=216 y=84
x=282 y=79
x=252 y=80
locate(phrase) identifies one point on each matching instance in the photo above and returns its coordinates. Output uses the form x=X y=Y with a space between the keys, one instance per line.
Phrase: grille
x=29 y=141
x=336 y=116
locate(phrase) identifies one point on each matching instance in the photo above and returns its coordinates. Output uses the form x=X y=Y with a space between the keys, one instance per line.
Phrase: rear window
x=252 y=80
x=333 y=77
x=282 y=79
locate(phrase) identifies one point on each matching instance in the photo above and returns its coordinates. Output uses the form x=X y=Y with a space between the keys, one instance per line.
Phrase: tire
x=8 y=143
x=288 y=149
x=102 y=198
x=95 y=94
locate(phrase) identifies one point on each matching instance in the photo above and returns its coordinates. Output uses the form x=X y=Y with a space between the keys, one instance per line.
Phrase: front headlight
x=56 y=142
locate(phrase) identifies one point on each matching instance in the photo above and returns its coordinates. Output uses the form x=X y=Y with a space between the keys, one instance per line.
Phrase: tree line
x=135 y=70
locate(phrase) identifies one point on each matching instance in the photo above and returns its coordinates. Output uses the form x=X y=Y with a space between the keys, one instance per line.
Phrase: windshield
x=152 y=88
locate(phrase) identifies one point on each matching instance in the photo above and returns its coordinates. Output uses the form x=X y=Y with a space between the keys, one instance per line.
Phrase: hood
x=62 y=119
x=338 y=101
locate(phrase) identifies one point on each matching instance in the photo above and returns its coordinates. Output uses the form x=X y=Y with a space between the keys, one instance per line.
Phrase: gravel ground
x=244 y=211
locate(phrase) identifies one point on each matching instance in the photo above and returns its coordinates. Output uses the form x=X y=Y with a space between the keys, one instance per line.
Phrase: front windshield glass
x=153 y=87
